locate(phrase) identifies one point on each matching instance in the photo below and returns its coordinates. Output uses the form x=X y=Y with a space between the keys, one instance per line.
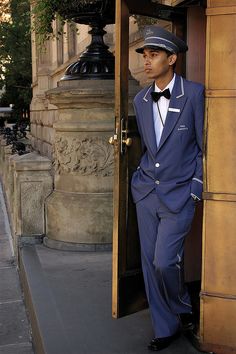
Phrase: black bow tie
x=157 y=95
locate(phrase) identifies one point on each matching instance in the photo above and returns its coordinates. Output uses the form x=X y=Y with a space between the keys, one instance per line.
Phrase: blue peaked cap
x=157 y=37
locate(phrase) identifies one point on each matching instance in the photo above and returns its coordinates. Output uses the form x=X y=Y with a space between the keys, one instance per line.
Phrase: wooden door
x=128 y=294
x=127 y=284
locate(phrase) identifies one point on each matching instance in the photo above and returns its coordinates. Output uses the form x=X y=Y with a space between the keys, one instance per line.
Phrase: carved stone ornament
x=88 y=156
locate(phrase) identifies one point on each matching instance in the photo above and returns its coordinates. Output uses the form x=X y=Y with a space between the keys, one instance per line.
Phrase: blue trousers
x=162 y=236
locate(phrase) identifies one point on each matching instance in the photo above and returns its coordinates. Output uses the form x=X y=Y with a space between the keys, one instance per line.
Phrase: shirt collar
x=169 y=86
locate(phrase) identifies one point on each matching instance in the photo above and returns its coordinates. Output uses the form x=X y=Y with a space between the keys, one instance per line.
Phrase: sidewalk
x=71 y=297
x=68 y=295
x=14 y=326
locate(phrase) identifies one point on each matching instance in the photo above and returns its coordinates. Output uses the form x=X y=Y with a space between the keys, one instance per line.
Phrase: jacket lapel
x=177 y=102
x=148 y=122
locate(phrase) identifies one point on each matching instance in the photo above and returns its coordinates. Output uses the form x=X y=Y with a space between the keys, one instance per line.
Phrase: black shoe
x=187 y=321
x=157 y=344
x=193 y=336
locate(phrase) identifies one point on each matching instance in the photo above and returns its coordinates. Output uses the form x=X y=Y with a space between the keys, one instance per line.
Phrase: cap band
x=162 y=39
x=159 y=45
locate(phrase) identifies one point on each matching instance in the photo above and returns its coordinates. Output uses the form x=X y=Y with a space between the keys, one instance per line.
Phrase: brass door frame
x=121 y=111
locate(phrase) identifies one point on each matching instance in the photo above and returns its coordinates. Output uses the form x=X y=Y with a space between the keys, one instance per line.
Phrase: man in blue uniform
x=168 y=181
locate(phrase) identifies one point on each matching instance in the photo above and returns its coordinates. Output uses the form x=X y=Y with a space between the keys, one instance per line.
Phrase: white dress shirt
x=163 y=104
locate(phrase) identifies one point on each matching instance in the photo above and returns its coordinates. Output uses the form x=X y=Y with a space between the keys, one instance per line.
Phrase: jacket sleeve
x=197 y=180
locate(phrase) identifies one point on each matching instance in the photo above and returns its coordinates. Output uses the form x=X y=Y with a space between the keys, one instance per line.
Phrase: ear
x=172 y=59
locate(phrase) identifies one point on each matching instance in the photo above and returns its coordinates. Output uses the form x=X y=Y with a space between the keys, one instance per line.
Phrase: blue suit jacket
x=174 y=168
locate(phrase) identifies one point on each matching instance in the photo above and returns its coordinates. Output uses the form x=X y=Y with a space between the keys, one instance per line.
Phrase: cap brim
x=140 y=50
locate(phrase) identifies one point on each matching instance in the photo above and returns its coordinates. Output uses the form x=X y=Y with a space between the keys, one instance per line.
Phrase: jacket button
x=157 y=164
x=157 y=182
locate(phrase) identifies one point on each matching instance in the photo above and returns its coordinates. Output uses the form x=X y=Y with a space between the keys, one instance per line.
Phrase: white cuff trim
x=195 y=197
x=198 y=180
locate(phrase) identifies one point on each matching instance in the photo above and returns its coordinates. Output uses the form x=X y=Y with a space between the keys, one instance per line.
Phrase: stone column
x=79 y=211
x=32 y=185
x=218 y=296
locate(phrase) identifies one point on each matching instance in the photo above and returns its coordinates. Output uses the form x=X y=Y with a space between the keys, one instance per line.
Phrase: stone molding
x=83 y=156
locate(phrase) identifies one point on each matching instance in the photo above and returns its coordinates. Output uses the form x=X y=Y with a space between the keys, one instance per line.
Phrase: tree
x=15 y=55
x=44 y=12
x=4 y=10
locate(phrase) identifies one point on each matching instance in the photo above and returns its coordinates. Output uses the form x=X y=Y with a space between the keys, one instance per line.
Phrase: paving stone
x=81 y=285
x=9 y=285
x=22 y=348
x=13 y=323
x=3 y=235
x=2 y=226
x=5 y=251
x=7 y=262
x=15 y=335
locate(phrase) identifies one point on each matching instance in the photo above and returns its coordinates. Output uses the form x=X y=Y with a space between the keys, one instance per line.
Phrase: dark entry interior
x=128 y=289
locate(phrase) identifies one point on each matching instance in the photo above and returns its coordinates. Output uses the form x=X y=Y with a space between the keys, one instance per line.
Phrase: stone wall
x=69 y=121
x=27 y=182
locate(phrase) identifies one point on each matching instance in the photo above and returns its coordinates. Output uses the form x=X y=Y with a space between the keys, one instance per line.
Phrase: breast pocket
x=183 y=132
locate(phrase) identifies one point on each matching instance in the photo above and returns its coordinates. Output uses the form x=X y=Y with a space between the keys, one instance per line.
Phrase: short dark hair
x=168 y=52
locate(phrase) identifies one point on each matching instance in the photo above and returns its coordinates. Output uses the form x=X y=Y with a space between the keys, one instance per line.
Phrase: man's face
x=157 y=63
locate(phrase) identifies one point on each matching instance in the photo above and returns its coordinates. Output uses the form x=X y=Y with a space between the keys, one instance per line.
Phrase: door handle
x=124 y=140
x=127 y=141
x=112 y=139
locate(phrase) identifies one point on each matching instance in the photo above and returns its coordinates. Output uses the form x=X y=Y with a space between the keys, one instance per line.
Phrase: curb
x=48 y=331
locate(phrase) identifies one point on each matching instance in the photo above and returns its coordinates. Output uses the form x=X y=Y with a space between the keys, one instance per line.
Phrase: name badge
x=177 y=110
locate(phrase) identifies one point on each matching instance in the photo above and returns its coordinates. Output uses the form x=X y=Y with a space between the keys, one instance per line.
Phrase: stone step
x=47 y=327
